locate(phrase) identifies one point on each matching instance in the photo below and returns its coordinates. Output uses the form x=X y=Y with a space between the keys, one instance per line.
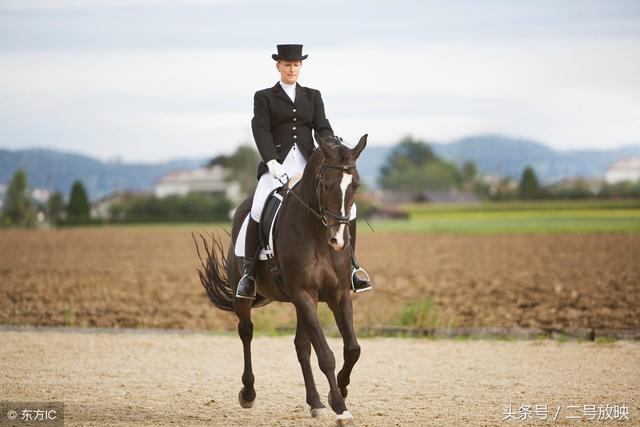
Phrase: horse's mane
x=336 y=143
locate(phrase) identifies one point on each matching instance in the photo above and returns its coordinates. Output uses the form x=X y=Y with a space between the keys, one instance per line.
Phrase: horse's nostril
x=334 y=240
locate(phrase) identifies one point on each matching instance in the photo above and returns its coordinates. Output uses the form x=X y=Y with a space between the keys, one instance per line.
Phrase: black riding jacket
x=278 y=122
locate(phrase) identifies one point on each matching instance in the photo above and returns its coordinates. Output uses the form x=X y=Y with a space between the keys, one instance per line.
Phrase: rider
x=283 y=117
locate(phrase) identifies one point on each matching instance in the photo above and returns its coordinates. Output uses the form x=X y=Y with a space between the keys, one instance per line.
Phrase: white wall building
x=203 y=180
x=101 y=208
x=627 y=169
x=3 y=190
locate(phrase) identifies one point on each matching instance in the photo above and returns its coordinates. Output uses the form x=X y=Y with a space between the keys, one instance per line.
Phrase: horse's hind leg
x=303 y=349
x=242 y=308
x=343 y=313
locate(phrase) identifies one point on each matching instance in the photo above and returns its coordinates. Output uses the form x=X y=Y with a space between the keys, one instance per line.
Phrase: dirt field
x=145 y=277
x=193 y=379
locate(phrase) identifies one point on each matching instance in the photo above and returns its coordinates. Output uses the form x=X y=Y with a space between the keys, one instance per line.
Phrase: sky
x=152 y=80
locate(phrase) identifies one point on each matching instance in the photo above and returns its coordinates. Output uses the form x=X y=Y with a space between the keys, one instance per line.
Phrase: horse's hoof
x=344 y=396
x=319 y=412
x=245 y=404
x=345 y=419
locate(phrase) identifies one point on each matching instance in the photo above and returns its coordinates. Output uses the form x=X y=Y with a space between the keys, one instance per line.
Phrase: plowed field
x=146 y=277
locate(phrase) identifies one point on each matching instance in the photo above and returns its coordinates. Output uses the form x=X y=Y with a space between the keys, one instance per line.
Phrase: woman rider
x=283 y=117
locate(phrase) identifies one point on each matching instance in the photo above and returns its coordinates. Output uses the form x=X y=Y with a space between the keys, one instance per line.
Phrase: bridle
x=323 y=213
x=342 y=219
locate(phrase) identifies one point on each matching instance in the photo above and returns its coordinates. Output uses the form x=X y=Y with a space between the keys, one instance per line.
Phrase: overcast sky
x=150 y=80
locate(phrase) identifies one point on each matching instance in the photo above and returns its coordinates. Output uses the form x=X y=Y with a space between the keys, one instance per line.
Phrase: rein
x=324 y=212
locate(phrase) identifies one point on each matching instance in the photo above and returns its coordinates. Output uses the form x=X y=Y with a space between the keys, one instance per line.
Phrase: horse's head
x=336 y=183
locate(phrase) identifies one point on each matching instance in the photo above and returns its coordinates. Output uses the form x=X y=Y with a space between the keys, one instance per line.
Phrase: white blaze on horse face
x=347 y=178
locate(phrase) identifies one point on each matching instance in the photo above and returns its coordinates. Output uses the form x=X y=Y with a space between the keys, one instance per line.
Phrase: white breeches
x=293 y=164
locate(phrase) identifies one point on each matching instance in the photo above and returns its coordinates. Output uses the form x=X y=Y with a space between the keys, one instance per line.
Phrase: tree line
x=414 y=169
x=411 y=168
x=20 y=210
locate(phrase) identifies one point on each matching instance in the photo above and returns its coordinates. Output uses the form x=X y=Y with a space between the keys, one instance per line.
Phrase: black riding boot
x=247 y=284
x=360 y=280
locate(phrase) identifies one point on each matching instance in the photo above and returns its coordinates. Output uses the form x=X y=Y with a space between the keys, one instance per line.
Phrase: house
x=627 y=169
x=589 y=185
x=101 y=208
x=498 y=184
x=395 y=197
x=208 y=180
x=38 y=195
x=450 y=196
x=430 y=196
x=3 y=190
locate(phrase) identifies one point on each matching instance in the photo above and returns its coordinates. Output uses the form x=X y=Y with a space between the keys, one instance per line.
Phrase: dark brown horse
x=311 y=249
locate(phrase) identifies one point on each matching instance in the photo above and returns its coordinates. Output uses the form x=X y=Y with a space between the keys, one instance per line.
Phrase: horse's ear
x=360 y=146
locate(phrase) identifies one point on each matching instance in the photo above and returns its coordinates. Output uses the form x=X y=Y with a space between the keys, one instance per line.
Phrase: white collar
x=287 y=86
x=290 y=90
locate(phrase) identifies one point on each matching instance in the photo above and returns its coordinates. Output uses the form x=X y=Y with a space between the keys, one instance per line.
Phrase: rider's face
x=289 y=70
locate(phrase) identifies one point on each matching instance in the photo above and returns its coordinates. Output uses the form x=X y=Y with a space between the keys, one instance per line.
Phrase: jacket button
x=294 y=128
x=294 y=119
x=295 y=136
x=294 y=110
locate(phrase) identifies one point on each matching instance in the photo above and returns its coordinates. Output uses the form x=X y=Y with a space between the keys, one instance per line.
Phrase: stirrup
x=354 y=276
x=251 y=295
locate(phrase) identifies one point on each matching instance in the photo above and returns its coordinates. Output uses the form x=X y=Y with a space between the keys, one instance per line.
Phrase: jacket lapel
x=280 y=93
x=298 y=93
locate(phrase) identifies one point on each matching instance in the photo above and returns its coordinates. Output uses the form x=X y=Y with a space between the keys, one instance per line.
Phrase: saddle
x=268 y=228
x=268 y=218
x=269 y=215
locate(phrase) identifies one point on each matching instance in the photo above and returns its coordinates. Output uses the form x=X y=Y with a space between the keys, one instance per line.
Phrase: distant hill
x=494 y=154
x=56 y=170
x=500 y=155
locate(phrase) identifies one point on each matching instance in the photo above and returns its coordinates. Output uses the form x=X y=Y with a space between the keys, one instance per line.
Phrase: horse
x=312 y=251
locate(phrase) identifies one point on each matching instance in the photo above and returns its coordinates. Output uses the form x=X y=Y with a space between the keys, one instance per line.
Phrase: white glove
x=275 y=169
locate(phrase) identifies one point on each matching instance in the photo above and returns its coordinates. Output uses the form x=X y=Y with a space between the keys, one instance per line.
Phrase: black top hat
x=289 y=52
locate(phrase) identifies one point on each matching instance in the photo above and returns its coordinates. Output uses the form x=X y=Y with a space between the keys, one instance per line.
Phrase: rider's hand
x=275 y=169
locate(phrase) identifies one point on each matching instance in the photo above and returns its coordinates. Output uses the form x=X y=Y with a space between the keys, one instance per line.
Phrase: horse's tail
x=214 y=277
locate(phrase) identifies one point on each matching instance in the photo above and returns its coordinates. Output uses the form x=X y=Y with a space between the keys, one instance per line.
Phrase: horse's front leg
x=306 y=311
x=242 y=308
x=303 y=349
x=343 y=312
